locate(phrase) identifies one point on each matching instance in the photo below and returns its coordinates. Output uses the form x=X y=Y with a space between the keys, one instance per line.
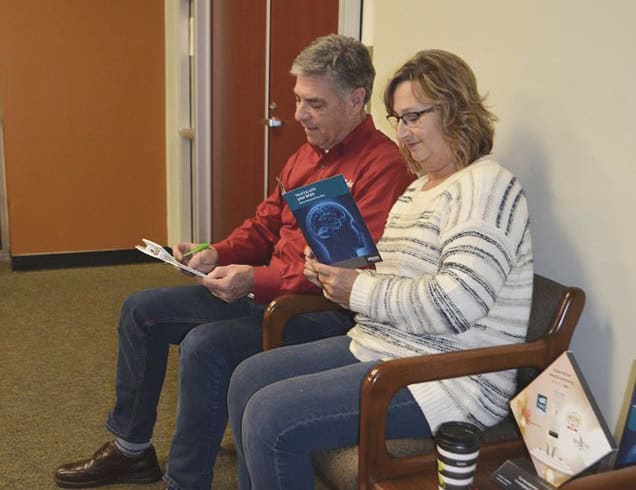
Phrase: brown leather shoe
x=107 y=466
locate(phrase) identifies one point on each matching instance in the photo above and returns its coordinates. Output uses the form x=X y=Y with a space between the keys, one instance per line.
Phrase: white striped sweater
x=456 y=274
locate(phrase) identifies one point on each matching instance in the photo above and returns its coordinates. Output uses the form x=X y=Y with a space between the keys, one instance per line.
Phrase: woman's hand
x=310 y=274
x=336 y=282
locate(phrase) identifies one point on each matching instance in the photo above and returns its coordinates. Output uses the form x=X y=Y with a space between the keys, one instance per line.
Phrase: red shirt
x=272 y=241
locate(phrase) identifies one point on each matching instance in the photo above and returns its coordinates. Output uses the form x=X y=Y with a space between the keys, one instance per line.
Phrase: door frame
x=187 y=73
x=202 y=93
x=188 y=153
x=4 y=215
x=350 y=17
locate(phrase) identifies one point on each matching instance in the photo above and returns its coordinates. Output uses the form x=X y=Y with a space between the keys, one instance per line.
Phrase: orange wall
x=82 y=91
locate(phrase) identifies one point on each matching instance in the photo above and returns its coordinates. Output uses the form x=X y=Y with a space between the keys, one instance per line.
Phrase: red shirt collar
x=359 y=136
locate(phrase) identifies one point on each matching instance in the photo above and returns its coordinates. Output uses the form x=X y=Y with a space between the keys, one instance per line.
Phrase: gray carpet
x=57 y=363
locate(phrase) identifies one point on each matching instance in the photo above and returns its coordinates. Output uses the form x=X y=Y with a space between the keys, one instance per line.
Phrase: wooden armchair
x=283 y=308
x=396 y=464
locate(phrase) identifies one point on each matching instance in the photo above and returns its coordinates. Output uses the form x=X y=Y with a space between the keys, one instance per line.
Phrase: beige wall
x=561 y=77
x=82 y=91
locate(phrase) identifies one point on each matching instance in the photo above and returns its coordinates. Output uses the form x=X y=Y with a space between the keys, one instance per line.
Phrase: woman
x=456 y=274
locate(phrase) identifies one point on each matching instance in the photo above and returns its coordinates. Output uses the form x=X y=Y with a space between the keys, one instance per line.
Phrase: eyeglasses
x=410 y=119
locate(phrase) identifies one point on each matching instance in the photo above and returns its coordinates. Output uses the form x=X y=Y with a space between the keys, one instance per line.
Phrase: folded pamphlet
x=158 y=252
x=332 y=224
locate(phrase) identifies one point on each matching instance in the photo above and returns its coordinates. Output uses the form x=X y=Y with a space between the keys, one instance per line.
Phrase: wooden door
x=83 y=94
x=238 y=101
x=240 y=98
x=294 y=24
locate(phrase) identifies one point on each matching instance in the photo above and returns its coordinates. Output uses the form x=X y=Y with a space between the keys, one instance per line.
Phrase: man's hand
x=203 y=261
x=230 y=282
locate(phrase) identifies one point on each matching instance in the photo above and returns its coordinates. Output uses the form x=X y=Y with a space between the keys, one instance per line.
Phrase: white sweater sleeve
x=479 y=239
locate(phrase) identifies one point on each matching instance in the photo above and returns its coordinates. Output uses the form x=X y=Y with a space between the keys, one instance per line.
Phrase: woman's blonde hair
x=467 y=124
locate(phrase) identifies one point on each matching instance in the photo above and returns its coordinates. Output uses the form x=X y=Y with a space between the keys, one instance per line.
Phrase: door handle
x=187 y=133
x=273 y=122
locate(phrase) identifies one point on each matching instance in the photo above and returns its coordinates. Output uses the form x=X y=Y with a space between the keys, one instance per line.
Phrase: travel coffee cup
x=457 y=445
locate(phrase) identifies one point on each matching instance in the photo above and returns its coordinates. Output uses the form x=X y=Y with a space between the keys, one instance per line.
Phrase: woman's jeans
x=213 y=338
x=288 y=402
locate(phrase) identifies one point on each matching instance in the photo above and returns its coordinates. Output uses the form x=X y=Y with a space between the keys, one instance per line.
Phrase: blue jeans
x=213 y=338
x=304 y=398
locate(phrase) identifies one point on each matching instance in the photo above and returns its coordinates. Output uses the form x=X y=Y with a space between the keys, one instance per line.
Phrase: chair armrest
x=282 y=309
x=386 y=378
x=555 y=305
x=623 y=478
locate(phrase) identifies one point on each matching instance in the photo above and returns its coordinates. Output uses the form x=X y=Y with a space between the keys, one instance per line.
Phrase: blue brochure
x=331 y=222
x=627 y=449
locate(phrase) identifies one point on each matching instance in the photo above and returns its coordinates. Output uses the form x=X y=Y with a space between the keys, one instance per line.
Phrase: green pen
x=195 y=250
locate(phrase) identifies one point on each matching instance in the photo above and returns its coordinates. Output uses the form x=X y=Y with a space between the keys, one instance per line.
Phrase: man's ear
x=357 y=97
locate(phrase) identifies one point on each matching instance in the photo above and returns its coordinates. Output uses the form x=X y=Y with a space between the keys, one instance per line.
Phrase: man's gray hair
x=345 y=59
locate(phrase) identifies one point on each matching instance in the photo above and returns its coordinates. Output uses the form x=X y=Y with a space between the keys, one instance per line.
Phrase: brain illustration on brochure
x=158 y=252
x=332 y=224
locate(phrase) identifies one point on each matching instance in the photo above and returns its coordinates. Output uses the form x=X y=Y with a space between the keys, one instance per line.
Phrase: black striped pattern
x=456 y=274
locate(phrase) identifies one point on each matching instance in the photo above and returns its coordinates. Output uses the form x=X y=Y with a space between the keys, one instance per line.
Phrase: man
x=220 y=324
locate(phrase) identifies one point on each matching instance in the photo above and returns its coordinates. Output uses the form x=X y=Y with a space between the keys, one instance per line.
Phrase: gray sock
x=131 y=448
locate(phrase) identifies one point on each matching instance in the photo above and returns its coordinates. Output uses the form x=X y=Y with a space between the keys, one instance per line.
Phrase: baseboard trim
x=78 y=259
